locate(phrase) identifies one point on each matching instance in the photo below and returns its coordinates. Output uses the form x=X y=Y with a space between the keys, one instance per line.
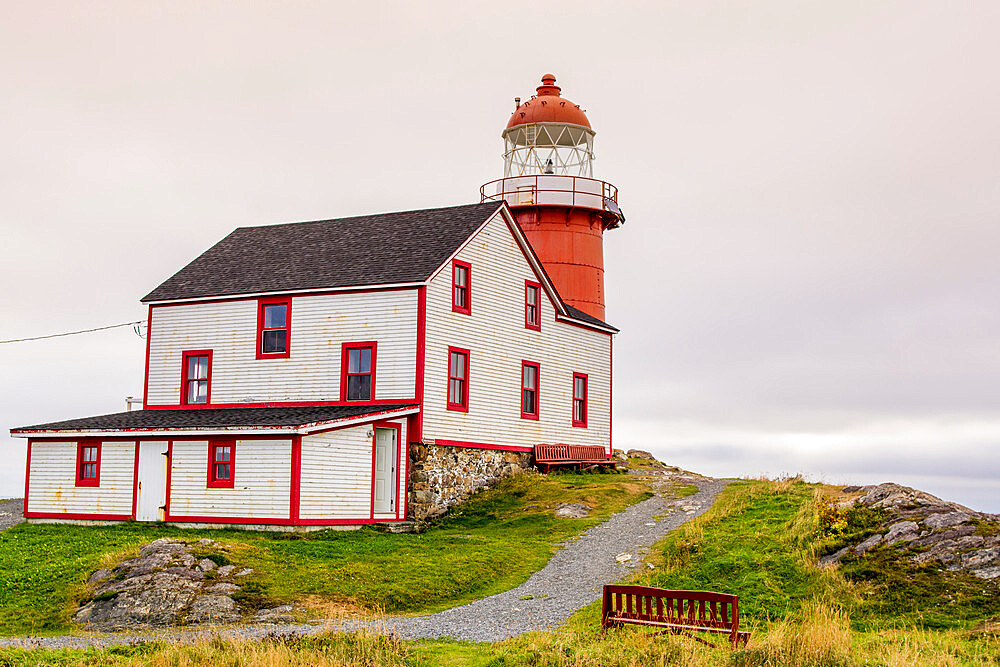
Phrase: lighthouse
x=549 y=184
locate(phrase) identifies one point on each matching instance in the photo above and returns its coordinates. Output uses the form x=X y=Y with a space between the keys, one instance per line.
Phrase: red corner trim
x=416 y=432
x=611 y=393
x=293 y=501
x=135 y=482
x=27 y=479
x=170 y=464
x=149 y=336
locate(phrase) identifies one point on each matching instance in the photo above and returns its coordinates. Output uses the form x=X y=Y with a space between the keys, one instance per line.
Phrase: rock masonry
x=166 y=584
x=938 y=531
x=442 y=476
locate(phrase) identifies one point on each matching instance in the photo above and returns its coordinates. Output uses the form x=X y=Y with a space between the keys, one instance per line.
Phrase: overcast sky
x=807 y=280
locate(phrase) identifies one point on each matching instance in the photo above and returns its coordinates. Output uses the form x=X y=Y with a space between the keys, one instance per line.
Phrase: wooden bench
x=678 y=612
x=581 y=456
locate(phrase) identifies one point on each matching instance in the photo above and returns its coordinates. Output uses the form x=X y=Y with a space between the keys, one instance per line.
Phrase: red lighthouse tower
x=548 y=183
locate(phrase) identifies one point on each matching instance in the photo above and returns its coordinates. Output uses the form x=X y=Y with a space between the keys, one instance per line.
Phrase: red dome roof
x=548 y=106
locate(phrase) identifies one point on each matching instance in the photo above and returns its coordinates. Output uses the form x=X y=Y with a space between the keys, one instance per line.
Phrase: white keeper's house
x=362 y=370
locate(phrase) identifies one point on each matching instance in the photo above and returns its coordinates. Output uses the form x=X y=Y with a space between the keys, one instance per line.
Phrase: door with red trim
x=152 y=481
x=385 y=470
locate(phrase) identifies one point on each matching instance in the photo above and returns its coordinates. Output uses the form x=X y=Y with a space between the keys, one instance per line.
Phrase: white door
x=385 y=470
x=152 y=481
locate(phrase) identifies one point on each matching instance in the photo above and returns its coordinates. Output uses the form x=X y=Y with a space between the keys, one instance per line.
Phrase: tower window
x=461 y=287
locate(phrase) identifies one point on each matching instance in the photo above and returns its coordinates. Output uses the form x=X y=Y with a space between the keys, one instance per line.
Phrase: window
x=221 y=459
x=461 y=295
x=529 y=390
x=458 y=379
x=358 y=371
x=196 y=375
x=532 y=305
x=580 y=400
x=88 y=464
x=274 y=322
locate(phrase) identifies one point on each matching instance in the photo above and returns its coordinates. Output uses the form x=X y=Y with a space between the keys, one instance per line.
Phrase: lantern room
x=548 y=134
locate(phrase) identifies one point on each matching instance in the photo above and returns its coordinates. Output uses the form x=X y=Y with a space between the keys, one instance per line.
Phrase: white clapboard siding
x=498 y=342
x=320 y=324
x=52 y=480
x=336 y=480
x=262 y=473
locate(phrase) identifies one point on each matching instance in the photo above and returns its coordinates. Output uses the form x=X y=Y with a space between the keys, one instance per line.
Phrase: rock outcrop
x=929 y=529
x=166 y=584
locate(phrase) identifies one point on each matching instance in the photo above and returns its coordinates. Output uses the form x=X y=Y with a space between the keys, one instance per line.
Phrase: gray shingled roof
x=578 y=314
x=208 y=418
x=365 y=250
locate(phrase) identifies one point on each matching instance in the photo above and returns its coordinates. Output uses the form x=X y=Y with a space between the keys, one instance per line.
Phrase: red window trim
x=586 y=400
x=528 y=286
x=467 y=308
x=272 y=301
x=538 y=376
x=213 y=482
x=90 y=481
x=184 y=375
x=464 y=405
x=371 y=344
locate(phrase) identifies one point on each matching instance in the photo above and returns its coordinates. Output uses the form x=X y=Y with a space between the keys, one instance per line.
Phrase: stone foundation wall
x=443 y=476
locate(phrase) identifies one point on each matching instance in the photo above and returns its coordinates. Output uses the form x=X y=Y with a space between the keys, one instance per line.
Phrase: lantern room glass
x=560 y=149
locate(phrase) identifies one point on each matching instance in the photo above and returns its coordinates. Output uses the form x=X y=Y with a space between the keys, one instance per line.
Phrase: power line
x=73 y=333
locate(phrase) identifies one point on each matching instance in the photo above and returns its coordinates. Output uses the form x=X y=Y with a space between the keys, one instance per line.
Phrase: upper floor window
x=88 y=464
x=532 y=305
x=221 y=459
x=196 y=377
x=579 y=400
x=461 y=287
x=458 y=379
x=529 y=390
x=358 y=371
x=274 y=322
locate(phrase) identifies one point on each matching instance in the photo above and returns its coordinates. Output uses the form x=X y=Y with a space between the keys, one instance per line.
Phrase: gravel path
x=572 y=579
x=11 y=512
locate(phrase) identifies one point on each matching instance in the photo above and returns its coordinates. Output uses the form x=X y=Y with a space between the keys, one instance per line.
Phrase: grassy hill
x=760 y=540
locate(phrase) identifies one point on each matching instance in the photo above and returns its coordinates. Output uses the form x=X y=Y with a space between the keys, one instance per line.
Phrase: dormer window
x=274 y=322
x=461 y=287
x=532 y=305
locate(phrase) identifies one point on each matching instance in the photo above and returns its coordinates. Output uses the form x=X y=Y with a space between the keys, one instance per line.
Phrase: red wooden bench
x=581 y=456
x=678 y=612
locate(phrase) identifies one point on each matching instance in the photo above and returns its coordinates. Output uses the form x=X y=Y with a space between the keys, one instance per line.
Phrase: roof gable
x=382 y=249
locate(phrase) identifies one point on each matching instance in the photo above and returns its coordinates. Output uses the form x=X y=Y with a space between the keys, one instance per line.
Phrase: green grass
x=491 y=543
